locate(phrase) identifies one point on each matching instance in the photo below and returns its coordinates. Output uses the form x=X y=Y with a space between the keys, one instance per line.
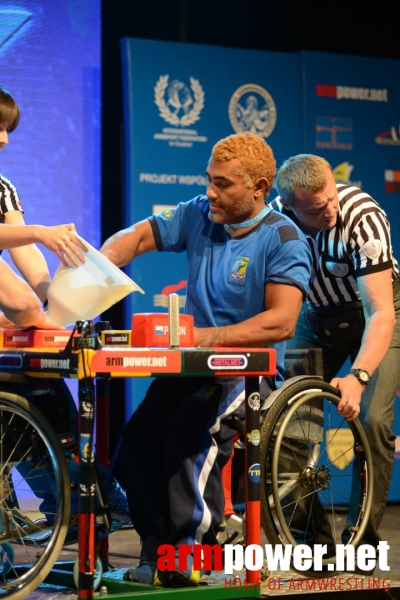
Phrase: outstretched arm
x=122 y=247
x=61 y=239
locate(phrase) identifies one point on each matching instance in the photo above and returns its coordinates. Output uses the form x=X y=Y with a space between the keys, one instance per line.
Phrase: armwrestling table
x=84 y=359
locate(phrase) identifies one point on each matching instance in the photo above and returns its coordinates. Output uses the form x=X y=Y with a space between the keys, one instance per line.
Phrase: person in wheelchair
x=21 y=304
x=352 y=309
x=248 y=273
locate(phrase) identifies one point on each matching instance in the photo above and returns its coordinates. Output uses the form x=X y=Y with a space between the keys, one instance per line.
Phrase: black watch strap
x=362 y=375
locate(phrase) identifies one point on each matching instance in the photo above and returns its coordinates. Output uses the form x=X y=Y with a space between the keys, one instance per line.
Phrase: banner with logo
x=182 y=98
x=179 y=100
x=352 y=118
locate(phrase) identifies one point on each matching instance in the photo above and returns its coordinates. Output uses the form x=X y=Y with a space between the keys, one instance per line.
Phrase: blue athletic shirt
x=227 y=275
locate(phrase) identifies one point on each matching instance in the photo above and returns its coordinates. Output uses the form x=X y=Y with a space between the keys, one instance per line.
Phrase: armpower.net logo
x=344 y=92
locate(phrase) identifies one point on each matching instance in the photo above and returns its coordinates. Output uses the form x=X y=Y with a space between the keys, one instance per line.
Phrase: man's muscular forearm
x=243 y=335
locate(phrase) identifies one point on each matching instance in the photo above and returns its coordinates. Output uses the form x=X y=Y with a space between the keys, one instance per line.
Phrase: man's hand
x=64 y=241
x=350 y=390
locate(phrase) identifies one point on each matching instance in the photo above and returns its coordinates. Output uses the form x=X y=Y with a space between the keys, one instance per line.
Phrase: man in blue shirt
x=248 y=274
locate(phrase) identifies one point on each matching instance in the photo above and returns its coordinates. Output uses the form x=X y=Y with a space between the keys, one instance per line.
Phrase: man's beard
x=241 y=211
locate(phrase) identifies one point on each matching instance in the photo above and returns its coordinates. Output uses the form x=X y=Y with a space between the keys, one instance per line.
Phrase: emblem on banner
x=390 y=137
x=162 y=299
x=335 y=133
x=179 y=105
x=339 y=446
x=251 y=108
x=392 y=181
x=342 y=173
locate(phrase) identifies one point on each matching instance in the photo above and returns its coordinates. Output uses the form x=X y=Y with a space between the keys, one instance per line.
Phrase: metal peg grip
x=173 y=312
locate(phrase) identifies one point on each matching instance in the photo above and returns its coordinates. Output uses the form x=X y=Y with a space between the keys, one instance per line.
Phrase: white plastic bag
x=84 y=292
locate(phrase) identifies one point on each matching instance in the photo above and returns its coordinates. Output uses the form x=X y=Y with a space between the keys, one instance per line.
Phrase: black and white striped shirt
x=357 y=245
x=9 y=199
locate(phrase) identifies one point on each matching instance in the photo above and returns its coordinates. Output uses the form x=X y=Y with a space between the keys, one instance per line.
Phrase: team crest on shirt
x=167 y=213
x=372 y=249
x=238 y=271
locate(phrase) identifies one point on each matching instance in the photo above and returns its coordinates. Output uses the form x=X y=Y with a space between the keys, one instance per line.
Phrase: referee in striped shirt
x=353 y=306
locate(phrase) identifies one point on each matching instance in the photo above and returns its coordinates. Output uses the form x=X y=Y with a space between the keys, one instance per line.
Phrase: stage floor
x=124 y=550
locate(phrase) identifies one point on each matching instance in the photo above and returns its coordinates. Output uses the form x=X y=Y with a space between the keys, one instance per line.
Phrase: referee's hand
x=350 y=391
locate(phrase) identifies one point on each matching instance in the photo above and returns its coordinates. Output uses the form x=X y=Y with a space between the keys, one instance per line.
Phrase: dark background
x=280 y=25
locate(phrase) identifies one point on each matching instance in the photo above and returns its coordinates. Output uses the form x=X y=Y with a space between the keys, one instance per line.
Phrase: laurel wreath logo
x=187 y=119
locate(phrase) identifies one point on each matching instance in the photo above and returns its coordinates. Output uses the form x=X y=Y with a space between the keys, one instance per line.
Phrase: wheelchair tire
x=307 y=450
x=30 y=456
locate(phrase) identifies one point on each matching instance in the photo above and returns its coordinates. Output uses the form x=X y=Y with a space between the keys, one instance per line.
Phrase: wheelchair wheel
x=34 y=496
x=316 y=470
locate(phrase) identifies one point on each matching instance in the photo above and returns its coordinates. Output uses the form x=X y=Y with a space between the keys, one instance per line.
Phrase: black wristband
x=360 y=374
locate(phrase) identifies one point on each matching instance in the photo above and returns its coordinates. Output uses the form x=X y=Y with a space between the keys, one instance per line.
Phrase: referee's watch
x=362 y=376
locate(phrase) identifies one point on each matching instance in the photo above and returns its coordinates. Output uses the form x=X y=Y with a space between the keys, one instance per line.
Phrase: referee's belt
x=337 y=322
x=340 y=323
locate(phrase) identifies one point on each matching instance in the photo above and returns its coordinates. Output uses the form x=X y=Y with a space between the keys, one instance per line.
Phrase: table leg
x=252 y=469
x=102 y=445
x=87 y=482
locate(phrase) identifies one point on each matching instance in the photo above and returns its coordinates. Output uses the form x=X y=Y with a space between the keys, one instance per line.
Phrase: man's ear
x=262 y=187
x=285 y=204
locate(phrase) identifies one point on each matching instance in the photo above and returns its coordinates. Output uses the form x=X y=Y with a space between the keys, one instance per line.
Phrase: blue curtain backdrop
x=50 y=62
x=179 y=99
